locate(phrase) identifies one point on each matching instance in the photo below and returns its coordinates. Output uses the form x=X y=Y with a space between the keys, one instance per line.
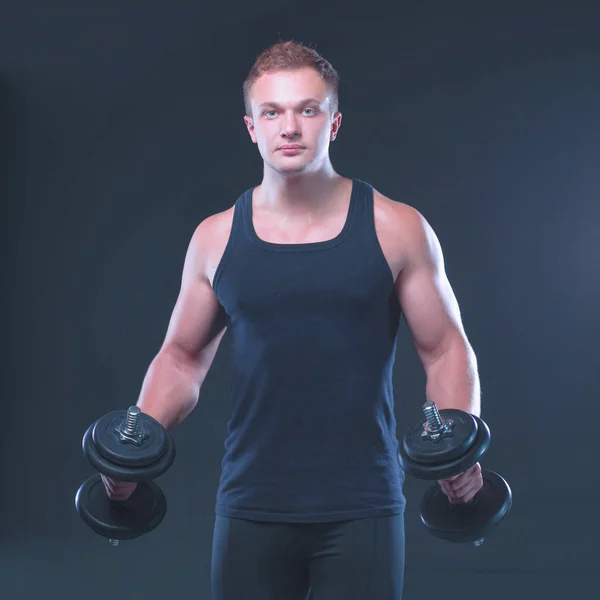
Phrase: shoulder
x=209 y=240
x=214 y=227
x=394 y=213
x=404 y=223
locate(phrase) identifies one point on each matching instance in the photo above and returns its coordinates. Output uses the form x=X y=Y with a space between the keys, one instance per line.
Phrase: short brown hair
x=289 y=56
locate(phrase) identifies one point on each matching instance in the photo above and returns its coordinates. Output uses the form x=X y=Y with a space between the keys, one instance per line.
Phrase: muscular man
x=311 y=271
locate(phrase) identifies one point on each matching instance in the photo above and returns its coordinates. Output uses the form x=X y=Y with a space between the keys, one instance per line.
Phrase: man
x=311 y=272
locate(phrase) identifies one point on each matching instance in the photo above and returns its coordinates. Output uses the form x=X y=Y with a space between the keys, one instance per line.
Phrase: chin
x=291 y=168
x=295 y=169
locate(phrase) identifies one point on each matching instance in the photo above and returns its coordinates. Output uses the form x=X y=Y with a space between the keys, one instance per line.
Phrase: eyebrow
x=306 y=101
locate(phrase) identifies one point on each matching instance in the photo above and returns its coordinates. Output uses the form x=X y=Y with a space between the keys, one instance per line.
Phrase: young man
x=311 y=271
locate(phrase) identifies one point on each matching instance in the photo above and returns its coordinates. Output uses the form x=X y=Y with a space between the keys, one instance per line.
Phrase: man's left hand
x=462 y=488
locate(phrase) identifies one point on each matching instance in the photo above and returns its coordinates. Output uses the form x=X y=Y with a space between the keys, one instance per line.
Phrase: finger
x=108 y=482
x=110 y=488
x=452 y=497
x=116 y=489
x=122 y=492
x=468 y=492
x=446 y=483
x=119 y=496
x=114 y=484
x=458 y=478
x=475 y=470
x=447 y=490
x=459 y=481
x=464 y=485
x=116 y=498
x=476 y=479
x=446 y=487
x=471 y=470
x=470 y=495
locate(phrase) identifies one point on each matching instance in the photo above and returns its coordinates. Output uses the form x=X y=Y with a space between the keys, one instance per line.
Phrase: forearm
x=170 y=389
x=453 y=379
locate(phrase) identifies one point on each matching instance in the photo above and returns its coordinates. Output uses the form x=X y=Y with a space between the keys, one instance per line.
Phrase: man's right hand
x=118 y=491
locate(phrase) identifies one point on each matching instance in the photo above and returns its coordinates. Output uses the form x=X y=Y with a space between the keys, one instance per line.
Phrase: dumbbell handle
x=130 y=431
x=118 y=504
x=432 y=414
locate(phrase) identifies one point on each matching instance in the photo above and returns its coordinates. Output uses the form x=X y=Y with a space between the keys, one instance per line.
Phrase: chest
x=278 y=232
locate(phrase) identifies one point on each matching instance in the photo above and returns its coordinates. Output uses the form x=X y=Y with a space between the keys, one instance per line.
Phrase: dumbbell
x=450 y=442
x=125 y=445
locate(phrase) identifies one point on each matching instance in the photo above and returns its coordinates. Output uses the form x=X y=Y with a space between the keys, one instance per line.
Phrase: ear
x=250 y=127
x=335 y=125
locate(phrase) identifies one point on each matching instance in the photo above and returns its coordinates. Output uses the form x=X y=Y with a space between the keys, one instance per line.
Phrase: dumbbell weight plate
x=467 y=522
x=141 y=513
x=443 y=470
x=127 y=454
x=423 y=450
x=125 y=461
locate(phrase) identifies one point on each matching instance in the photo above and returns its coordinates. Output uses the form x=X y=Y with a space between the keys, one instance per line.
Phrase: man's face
x=292 y=108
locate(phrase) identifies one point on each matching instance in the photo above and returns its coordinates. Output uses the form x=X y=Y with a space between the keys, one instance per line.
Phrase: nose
x=290 y=127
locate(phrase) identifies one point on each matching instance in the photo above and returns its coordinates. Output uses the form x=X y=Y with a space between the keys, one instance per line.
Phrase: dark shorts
x=361 y=559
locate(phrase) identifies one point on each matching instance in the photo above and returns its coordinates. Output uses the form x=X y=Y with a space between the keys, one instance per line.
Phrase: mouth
x=291 y=149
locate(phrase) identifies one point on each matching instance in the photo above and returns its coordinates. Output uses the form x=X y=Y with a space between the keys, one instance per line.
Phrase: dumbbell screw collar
x=130 y=431
x=438 y=428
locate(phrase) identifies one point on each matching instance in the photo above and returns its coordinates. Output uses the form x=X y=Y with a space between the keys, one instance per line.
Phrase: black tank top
x=312 y=434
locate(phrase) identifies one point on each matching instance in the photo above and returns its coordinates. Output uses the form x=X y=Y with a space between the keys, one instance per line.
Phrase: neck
x=299 y=193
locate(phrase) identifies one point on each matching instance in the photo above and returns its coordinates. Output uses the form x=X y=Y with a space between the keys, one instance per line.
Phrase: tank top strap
x=363 y=205
x=242 y=215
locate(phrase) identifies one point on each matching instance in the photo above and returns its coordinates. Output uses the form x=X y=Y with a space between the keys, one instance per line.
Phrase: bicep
x=428 y=302
x=198 y=320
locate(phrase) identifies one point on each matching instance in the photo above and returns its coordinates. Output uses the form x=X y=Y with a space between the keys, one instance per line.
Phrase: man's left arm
x=433 y=317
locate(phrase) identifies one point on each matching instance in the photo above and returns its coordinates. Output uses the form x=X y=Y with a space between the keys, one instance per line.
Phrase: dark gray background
x=121 y=128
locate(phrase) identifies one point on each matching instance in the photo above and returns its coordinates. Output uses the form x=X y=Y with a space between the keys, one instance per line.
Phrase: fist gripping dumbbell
x=125 y=445
x=448 y=444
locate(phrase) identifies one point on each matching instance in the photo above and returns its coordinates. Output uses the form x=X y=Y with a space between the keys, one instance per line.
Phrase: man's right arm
x=172 y=384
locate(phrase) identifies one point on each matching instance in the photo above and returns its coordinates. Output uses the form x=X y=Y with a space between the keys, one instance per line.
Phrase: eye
x=310 y=109
x=266 y=113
